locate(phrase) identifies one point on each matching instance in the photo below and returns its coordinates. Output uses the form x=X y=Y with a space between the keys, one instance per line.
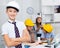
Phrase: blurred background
x=49 y=10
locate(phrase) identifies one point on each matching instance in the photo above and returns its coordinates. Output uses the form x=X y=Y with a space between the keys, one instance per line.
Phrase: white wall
x=57 y=17
x=48 y=12
x=30 y=3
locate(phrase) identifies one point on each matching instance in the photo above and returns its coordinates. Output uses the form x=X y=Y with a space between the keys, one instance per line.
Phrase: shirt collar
x=11 y=21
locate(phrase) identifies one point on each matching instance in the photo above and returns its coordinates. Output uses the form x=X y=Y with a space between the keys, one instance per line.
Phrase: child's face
x=29 y=27
x=11 y=13
x=39 y=20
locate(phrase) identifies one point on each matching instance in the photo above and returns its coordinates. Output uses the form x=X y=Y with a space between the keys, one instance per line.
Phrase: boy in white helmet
x=13 y=31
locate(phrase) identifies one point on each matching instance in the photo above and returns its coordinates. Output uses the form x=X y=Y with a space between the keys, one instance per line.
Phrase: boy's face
x=11 y=13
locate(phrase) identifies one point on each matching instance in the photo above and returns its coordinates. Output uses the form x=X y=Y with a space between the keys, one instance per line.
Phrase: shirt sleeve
x=24 y=27
x=42 y=35
x=52 y=35
x=4 y=30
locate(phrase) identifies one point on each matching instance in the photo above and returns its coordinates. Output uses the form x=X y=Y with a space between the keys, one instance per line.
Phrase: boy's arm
x=25 y=37
x=16 y=41
x=10 y=42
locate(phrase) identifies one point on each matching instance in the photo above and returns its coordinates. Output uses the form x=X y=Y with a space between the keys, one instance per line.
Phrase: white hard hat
x=13 y=4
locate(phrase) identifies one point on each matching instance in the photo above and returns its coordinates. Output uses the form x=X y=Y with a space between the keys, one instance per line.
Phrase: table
x=33 y=45
x=38 y=46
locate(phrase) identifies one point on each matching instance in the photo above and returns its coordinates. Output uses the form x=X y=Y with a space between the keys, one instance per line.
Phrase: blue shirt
x=47 y=35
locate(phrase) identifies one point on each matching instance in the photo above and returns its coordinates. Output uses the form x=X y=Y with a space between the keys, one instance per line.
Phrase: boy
x=47 y=32
x=13 y=31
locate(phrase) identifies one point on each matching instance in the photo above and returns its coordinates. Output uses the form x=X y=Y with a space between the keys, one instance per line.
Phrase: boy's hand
x=37 y=43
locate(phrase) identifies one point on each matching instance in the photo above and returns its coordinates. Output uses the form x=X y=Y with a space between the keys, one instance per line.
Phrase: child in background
x=29 y=25
x=38 y=26
x=47 y=32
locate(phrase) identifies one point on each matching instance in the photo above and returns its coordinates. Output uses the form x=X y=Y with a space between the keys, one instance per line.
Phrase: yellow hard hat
x=29 y=22
x=48 y=27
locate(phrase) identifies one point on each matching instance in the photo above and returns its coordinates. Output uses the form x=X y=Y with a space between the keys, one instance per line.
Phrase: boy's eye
x=15 y=11
x=10 y=11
